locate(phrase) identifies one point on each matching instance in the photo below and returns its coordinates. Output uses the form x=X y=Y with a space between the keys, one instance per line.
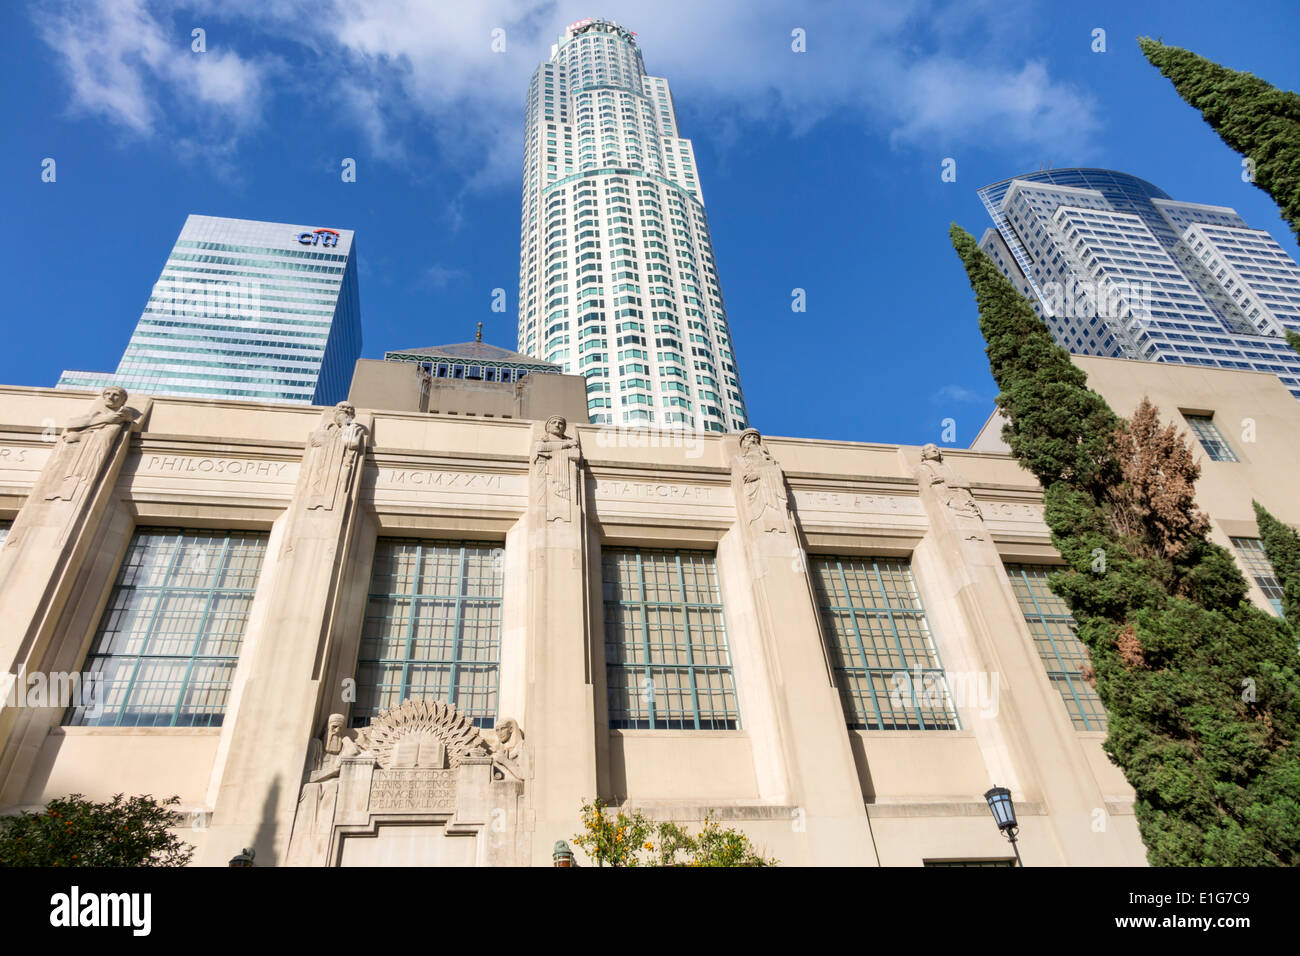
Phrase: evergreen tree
x=1253 y=117
x=1282 y=545
x=1293 y=339
x=1201 y=688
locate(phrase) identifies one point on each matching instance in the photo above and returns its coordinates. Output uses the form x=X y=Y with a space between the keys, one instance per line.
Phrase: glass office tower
x=617 y=279
x=262 y=311
x=1117 y=268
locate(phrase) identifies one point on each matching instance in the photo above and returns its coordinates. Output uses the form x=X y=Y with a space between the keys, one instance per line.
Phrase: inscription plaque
x=413 y=789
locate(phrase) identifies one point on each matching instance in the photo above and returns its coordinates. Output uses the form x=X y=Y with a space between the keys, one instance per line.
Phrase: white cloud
x=957 y=393
x=925 y=75
x=440 y=276
x=124 y=65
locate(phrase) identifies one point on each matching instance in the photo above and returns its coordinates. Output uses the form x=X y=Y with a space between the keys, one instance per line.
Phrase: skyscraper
x=263 y=311
x=1118 y=268
x=617 y=278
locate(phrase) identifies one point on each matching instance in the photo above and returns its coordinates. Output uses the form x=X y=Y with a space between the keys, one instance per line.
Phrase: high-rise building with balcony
x=617 y=277
x=263 y=311
x=1117 y=268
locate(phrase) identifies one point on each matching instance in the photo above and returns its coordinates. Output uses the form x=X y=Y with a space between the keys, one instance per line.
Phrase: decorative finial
x=478 y=336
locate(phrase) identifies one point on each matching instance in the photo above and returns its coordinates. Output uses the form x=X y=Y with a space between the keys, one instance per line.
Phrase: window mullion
x=417 y=586
x=203 y=626
x=147 y=640
x=686 y=633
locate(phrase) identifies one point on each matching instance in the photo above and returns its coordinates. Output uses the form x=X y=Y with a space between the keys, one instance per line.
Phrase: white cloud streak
x=923 y=75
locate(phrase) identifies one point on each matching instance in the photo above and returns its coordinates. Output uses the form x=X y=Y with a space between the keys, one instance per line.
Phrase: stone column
x=982 y=636
x=559 y=705
x=797 y=730
x=259 y=781
x=51 y=537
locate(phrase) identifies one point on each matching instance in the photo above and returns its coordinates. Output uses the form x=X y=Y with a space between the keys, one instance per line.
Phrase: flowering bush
x=632 y=840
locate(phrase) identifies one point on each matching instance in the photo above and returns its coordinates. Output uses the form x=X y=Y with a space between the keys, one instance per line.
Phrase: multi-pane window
x=666 y=660
x=1212 y=440
x=432 y=628
x=169 y=640
x=1058 y=644
x=885 y=663
x=1260 y=569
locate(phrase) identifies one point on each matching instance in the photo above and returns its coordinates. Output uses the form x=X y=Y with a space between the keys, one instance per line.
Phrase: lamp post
x=561 y=855
x=1004 y=813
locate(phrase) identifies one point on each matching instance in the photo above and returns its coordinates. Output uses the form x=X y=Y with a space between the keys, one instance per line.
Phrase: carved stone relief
x=761 y=493
x=556 y=473
x=331 y=459
x=86 y=443
x=951 y=490
x=421 y=757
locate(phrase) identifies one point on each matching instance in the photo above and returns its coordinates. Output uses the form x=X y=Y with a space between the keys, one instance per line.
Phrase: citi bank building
x=256 y=311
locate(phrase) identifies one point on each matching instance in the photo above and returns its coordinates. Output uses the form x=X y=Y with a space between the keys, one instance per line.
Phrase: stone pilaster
x=49 y=542
x=983 y=638
x=559 y=708
x=802 y=754
x=259 y=774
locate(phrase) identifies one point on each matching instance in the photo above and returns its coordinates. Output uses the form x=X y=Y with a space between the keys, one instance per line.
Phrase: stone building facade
x=351 y=636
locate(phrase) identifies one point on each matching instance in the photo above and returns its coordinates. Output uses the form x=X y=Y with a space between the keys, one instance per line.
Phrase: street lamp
x=1004 y=813
x=561 y=855
x=243 y=858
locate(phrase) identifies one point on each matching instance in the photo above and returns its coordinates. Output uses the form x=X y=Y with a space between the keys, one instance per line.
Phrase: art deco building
x=1118 y=268
x=354 y=636
x=263 y=311
x=617 y=276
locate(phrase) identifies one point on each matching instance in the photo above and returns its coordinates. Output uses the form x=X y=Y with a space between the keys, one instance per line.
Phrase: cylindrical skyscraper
x=617 y=279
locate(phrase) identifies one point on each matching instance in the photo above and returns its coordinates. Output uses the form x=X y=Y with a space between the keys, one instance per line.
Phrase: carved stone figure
x=333 y=451
x=761 y=481
x=506 y=745
x=424 y=733
x=950 y=488
x=87 y=441
x=422 y=759
x=555 y=470
x=338 y=742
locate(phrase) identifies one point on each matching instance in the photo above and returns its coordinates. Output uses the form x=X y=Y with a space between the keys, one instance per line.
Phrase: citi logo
x=324 y=237
x=103 y=909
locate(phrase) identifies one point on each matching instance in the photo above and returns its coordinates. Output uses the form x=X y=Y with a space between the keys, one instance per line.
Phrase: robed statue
x=555 y=463
x=87 y=442
x=949 y=487
x=326 y=753
x=333 y=452
x=763 y=493
x=505 y=742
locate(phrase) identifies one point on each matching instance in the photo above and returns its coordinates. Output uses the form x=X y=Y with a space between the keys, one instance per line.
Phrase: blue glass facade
x=250 y=310
x=1117 y=268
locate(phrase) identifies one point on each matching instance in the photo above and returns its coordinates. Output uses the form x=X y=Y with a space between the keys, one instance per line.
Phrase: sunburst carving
x=436 y=718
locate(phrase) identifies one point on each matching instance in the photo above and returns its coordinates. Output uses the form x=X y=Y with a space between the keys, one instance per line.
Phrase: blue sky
x=820 y=170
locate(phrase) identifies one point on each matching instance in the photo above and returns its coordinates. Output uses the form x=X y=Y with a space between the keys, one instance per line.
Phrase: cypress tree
x=1252 y=116
x=1201 y=688
x=1282 y=545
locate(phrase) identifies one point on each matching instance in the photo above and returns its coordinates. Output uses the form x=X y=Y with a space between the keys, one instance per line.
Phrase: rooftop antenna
x=478 y=336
